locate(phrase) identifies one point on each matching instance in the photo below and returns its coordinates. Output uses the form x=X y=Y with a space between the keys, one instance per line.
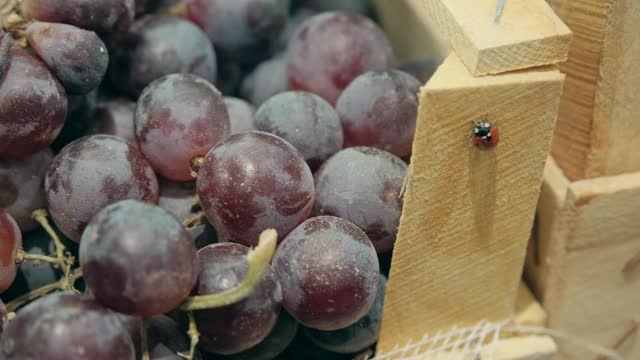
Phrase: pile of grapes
x=153 y=153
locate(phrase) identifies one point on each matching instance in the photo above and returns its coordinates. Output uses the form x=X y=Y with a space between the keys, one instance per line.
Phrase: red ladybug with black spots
x=485 y=134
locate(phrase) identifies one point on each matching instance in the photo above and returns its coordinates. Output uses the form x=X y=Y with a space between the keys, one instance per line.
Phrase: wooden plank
x=468 y=212
x=593 y=278
x=529 y=312
x=528 y=34
x=411 y=33
x=597 y=132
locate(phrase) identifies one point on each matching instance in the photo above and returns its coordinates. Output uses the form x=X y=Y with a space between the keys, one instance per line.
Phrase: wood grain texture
x=598 y=132
x=468 y=212
x=590 y=279
x=529 y=33
x=411 y=33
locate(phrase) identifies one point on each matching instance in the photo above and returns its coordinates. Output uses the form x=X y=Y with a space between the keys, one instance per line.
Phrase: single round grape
x=4 y=319
x=273 y=345
x=66 y=326
x=254 y=181
x=380 y=109
x=267 y=79
x=138 y=259
x=77 y=57
x=421 y=69
x=109 y=18
x=10 y=243
x=79 y=119
x=240 y=28
x=178 y=198
x=240 y=114
x=328 y=270
x=331 y=49
x=116 y=117
x=91 y=173
x=362 y=185
x=33 y=105
x=357 y=337
x=179 y=117
x=32 y=275
x=22 y=186
x=304 y=120
x=161 y=45
x=240 y=326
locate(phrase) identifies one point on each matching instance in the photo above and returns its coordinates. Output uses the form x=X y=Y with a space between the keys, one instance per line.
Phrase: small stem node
x=194 y=337
x=196 y=164
x=144 y=338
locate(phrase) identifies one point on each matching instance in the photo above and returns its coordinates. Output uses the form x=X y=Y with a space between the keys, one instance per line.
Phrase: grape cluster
x=161 y=139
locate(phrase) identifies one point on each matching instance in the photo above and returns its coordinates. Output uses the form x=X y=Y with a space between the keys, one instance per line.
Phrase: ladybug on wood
x=485 y=134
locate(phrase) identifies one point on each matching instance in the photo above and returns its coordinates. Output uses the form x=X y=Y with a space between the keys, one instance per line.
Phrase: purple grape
x=116 y=117
x=240 y=114
x=328 y=270
x=109 y=18
x=10 y=243
x=331 y=49
x=178 y=199
x=273 y=345
x=357 y=337
x=4 y=319
x=267 y=79
x=91 y=173
x=137 y=259
x=22 y=186
x=421 y=69
x=363 y=185
x=161 y=45
x=238 y=327
x=179 y=117
x=240 y=28
x=77 y=57
x=33 y=105
x=66 y=326
x=379 y=109
x=254 y=181
x=304 y=120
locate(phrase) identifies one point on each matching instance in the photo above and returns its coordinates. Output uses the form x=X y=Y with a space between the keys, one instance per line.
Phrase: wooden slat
x=528 y=34
x=468 y=212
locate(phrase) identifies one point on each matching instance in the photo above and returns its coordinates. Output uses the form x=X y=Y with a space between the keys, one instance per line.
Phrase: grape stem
x=196 y=164
x=193 y=221
x=194 y=337
x=258 y=260
x=61 y=284
x=144 y=338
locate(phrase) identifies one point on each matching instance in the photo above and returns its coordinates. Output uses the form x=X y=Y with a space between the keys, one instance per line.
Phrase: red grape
x=109 y=18
x=363 y=185
x=10 y=242
x=161 y=45
x=91 y=173
x=4 y=320
x=138 y=259
x=33 y=105
x=379 y=109
x=357 y=337
x=178 y=199
x=21 y=186
x=328 y=270
x=421 y=69
x=179 y=117
x=254 y=181
x=306 y=121
x=240 y=114
x=331 y=49
x=116 y=117
x=240 y=28
x=267 y=79
x=240 y=326
x=66 y=326
x=77 y=57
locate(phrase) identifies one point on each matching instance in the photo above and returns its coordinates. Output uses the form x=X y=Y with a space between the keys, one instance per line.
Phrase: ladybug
x=485 y=134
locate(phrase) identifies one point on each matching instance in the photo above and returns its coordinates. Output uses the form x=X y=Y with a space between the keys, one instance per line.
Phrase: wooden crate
x=468 y=213
x=585 y=260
